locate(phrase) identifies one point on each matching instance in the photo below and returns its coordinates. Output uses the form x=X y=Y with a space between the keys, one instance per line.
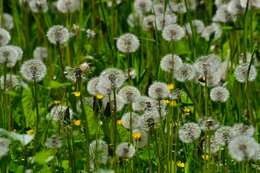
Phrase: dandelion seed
x=219 y=94
x=58 y=112
x=244 y=72
x=58 y=34
x=173 y=32
x=33 y=70
x=161 y=21
x=150 y=119
x=158 y=90
x=223 y=135
x=120 y=102
x=129 y=94
x=189 y=132
x=68 y=6
x=170 y=62
x=40 y=53
x=110 y=79
x=242 y=148
x=125 y=150
x=127 y=43
x=148 y=22
x=223 y=15
x=92 y=86
x=242 y=129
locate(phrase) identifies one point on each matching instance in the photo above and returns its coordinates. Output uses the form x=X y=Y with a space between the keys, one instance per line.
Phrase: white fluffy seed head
x=164 y=20
x=245 y=72
x=92 y=86
x=5 y=37
x=213 y=31
x=120 y=102
x=4 y=146
x=8 y=22
x=112 y=77
x=68 y=6
x=38 y=6
x=58 y=34
x=143 y=140
x=127 y=43
x=208 y=124
x=40 y=53
x=125 y=150
x=143 y=103
x=219 y=94
x=148 y=22
x=184 y=73
x=10 y=54
x=242 y=129
x=196 y=24
x=10 y=81
x=242 y=148
x=170 y=62
x=189 y=132
x=223 y=135
x=158 y=90
x=129 y=117
x=58 y=112
x=33 y=70
x=143 y=6
x=173 y=32
x=129 y=93
x=98 y=151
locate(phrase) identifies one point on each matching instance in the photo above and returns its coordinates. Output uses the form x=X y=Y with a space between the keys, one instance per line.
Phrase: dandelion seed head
x=148 y=22
x=54 y=142
x=184 y=73
x=173 y=32
x=242 y=148
x=189 y=132
x=129 y=93
x=219 y=94
x=57 y=113
x=223 y=15
x=11 y=82
x=158 y=90
x=120 y=102
x=214 y=30
x=38 y=6
x=223 y=135
x=244 y=72
x=33 y=69
x=127 y=43
x=8 y=22
x=4 y=146
x=126 y=120
x=164 y=20
x=213 y=146
x=150 y=119
x=112 y=77
x=234 y=7
x=170 y=62
x=242 y=129
x=92 y=86
x=5 y=37
x=125 y=150
x=143 y=103
x=58 y=34
x=40 y=53
x=198 y=26
x=98 y=151
x=142 y=6
x=208 y=124
x=68 y=6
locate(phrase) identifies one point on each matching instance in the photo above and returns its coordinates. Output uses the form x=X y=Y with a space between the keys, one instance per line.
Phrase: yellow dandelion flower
x=136 y=135
x=119 y=122
x=170 y=86
x=205 y=157
x=186 y=110
x=99 y=96
x=166 y=101
x=172 y=103
x=30 y=132
x=180 y=164
x=77 y=122
x=76 y=93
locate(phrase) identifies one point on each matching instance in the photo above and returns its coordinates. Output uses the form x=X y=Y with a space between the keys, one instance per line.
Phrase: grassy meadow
x=129 y=86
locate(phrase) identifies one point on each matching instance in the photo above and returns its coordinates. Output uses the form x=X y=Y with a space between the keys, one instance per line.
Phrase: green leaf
x=28 y=109
x=55 y=85
x=42 y=157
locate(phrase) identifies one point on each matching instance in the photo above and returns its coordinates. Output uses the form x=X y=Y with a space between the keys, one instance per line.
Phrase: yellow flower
x=205 y=157
x=77 y=122
x=186 y=110
x=170 y=86
x=119 y=122
x=136 y=135
x=76 y=93
x=56 y=102
x=99 y=96
x=172 y=103
x=30 y=132
x=180 y=164
x=166 y=101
